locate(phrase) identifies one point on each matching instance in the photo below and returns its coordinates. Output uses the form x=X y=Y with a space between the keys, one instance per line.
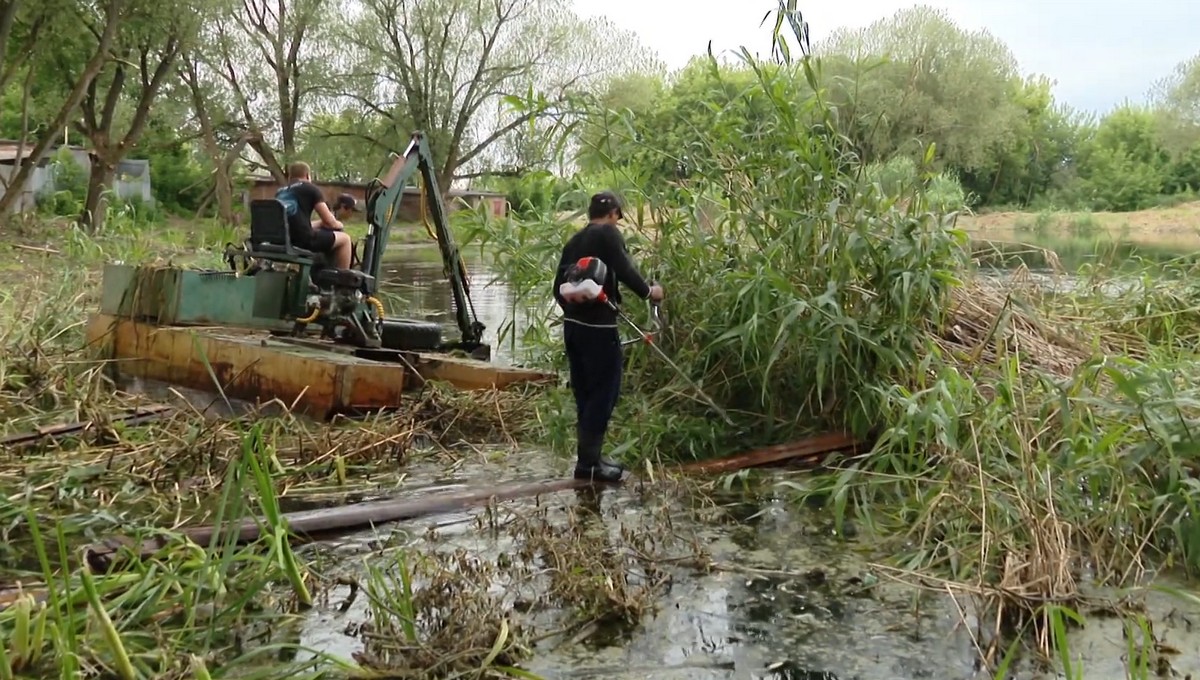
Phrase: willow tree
x=915 y=78
x=63 y=69
x=116 y=107
x=1176 y=99
x=274 y=59
x=444 y=66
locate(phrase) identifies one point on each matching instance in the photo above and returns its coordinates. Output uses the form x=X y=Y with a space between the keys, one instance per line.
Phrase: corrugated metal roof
x=8 y=149
x=10 y=153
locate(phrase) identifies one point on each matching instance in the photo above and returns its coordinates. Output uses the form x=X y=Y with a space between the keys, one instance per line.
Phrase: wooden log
x=311 y=524
x=139 y=416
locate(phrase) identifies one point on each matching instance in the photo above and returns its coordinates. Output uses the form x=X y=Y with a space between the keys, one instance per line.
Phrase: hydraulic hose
x=374 y=302
x=311 y=317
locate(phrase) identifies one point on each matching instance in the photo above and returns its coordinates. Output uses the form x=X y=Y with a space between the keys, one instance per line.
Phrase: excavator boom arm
x=383 y=203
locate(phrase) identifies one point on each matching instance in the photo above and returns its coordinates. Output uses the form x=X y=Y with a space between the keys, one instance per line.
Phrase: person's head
x=605 y=208
x=344 y=205
x=299 y=171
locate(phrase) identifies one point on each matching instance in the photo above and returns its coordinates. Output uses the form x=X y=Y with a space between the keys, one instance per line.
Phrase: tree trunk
x=445 y=177
x=94 y=65
x=8 y=16
x=95 y=208
x=223 y=185
x=269 y=158
x=224 y=194
x=224 y=181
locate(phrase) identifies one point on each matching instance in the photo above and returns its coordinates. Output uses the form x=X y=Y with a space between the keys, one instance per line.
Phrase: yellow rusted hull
x=259 y=368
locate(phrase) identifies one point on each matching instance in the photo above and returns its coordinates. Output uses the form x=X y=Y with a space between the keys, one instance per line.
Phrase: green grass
x=175 y=613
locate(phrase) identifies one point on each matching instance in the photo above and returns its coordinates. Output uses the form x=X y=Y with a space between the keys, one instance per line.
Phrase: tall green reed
x=178 y=612
x=795 y=284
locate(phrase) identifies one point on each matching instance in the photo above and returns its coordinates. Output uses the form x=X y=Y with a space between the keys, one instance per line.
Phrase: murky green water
x=415 y=287
x=784 y=599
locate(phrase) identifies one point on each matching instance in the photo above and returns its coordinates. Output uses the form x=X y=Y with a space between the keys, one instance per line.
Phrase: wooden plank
x=139 y=416
x=310 y=524
x=806 y=450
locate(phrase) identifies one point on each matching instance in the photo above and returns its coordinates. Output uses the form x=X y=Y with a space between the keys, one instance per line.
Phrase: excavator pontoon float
x=282 y=324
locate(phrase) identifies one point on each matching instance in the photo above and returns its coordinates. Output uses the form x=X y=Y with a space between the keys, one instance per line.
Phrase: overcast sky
x=1099 y=52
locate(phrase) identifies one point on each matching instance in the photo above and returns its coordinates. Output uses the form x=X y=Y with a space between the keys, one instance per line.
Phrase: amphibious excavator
x=282 y=324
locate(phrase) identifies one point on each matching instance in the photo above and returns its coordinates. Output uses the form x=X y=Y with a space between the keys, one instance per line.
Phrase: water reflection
x=414 y=286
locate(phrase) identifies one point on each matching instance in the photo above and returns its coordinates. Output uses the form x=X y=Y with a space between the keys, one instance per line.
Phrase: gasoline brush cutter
x=584 y=282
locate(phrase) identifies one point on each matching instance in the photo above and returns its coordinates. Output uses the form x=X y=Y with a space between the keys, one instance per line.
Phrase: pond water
x=414 y=286
x=781 y=598
x=789 y=601
x=785 y=601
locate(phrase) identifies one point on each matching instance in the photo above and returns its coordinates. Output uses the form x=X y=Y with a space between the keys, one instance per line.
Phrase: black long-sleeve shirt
x=605 y=242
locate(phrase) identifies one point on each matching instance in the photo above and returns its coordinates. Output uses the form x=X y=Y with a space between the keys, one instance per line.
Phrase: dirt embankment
x=1179 y=219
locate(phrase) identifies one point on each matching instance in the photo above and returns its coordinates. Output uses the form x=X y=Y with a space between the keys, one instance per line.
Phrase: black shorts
x=321 y=241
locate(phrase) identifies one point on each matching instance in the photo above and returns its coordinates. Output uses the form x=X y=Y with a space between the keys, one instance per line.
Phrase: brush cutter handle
x=644 y=336
x=656 y=316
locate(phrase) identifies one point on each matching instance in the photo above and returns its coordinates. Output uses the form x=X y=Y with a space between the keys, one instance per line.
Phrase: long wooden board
x=139 y=416
x=309 y=524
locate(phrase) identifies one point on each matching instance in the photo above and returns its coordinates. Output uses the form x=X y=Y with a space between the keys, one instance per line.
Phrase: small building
x=132 y=179
x=410 y=205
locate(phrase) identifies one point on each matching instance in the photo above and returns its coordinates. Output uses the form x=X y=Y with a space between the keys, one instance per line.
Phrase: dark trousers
x=594 y=356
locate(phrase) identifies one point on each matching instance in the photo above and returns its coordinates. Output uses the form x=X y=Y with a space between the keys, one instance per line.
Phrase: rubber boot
x=590 y=465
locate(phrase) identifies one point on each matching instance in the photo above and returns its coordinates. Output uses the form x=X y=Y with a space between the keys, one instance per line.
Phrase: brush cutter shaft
x=649 y=340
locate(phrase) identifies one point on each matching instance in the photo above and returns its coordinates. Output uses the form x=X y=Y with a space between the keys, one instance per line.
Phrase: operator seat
x=270 y=238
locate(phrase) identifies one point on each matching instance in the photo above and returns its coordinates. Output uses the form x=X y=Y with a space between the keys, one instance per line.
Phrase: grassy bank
x=1173 y=222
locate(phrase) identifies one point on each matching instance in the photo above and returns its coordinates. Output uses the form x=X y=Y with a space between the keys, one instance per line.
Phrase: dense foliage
x=916 y=79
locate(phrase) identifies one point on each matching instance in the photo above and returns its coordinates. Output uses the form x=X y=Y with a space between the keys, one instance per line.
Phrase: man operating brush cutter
x=593 y=262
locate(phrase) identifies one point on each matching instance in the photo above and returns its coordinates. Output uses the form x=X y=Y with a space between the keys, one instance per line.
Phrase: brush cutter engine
x=585 y=281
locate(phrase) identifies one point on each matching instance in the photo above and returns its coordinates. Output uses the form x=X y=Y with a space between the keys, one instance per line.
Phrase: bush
x=66 y=188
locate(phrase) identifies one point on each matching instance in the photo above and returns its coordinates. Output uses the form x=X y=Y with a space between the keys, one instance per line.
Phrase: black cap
x=605 y=202
x=346 y=201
